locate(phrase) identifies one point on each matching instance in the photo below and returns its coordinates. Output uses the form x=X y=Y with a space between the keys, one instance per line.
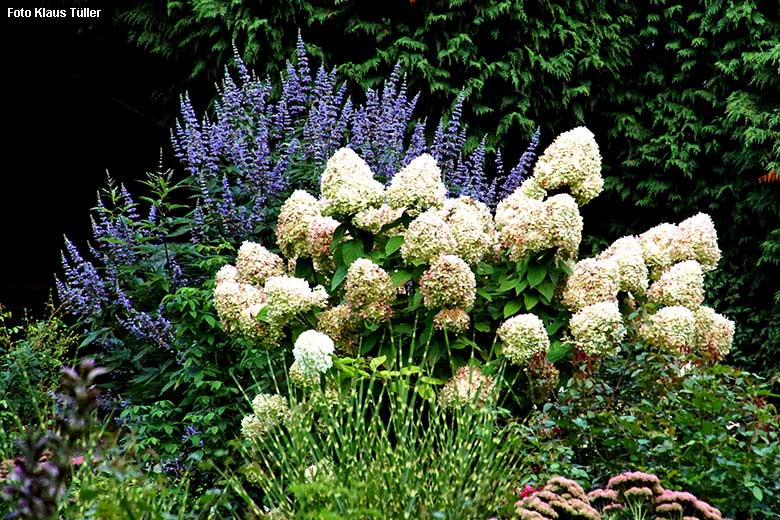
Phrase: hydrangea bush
x=438 y=282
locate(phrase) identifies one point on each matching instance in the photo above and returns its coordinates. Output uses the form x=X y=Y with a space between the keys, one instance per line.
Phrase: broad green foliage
x=684 y=92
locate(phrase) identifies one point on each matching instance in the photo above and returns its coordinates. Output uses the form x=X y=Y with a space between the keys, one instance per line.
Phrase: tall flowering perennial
x=572 y=160
x=417 y=187
x=524 y=337
x=449 y=282
x=348 y=185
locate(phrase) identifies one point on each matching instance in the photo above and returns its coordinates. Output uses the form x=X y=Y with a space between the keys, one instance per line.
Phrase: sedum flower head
x=698 y=240
x=592 y=281
x=255 y=263
x=448 y=282
x=292 y=228
x=524 y=336
x=472 y=226
x=366 y=282
x=598 y=329
x=671 y=328
x=418 y=186
x=632 y=271
x=313 y=352
x=428 y=237
x=658 y=247
x=348 y=185
x=454 y=320
x=374 y=219
x=467 y=387
x=681 y=284
x=268 y=412
x=714 y=332
x=288 y=296
x=572 y=160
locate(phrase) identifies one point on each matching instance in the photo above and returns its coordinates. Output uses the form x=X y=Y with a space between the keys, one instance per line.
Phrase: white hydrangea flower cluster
x=454 y=320
x=632 y=270
x=658 y=247
x=526 y=225
x=672 y=328
x=468 y=387
x=287 y=296
x=714 y=332
x=348 y=186
x=269 y=411
x=572 y=160
x=369 y=290
x=237 y=304
x=592 y=281
x=427 y=238
x=255 y=263
x=320 y=235
x=292 y=227
x=698 y=240
x=313 y=352
x=524 y=337
x=417 y=187
x=681 y=284
x=302 y=379
x=531 y=189
x=448 y=282
x=342 y=323
x=598 y=329
x=374 y=219
x=472 y=226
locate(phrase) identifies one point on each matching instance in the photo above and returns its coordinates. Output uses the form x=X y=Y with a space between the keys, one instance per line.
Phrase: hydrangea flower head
x=313 y=352
x=418 y=186
x=369 y=289
x=342 y=323
x=714 y=332
x=255 y=263
x=472 y=226
x=520 y=225
x=288 y=296
x=428 y=237
x=467 y=387
x=681 y=284
x=292 y=227
x=348 y=185
x=592 y=281
x=448 y=282
x=320 y=235
x=671 y=328
x=269 y=411
x=698 y=240
x=572 y=160
x=454 y=320
x=524 y=336
x=632 y=271
x=562 y=225
x=374 y=219
x=658 y=247
x=598 y=329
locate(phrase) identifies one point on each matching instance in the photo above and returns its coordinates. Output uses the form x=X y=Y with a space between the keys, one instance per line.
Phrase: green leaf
x=536 y=274
x=338 y=236
x=393 y=245
x=400 y=277
x=374 y=364
x=511 y=307
x=351 y=251
x=338 y=277
x=483 y=268
x=530 y=301
x=482 y=326
x=557 y=351
x=757 y=493
x=546 y=290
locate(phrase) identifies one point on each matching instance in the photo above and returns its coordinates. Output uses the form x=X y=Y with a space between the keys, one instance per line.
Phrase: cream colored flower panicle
x=632 y=271
x=237 y=304
x=598 y=329
x=320 y=235
x=313 y=352
x=269 y=411
x=519 y=224
x=288 y=296
x=342 y=323
x=374 y=219
x=524 y=336
x=370 y=290
x=428 y=237
x=472 y=226
x=531 y=189
x=681 y=284
x=671 y=328
x=302 y=379
x=292 y=228
x=591 y=282
x=418 y=186
x=658 y=247
x=348 y=185
x=714 y=332
x=448 y=282
x=255 y=263
x=572 y=160
x=697 y=240
x=562 y=224
x=468 y=387
x=454 y=320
